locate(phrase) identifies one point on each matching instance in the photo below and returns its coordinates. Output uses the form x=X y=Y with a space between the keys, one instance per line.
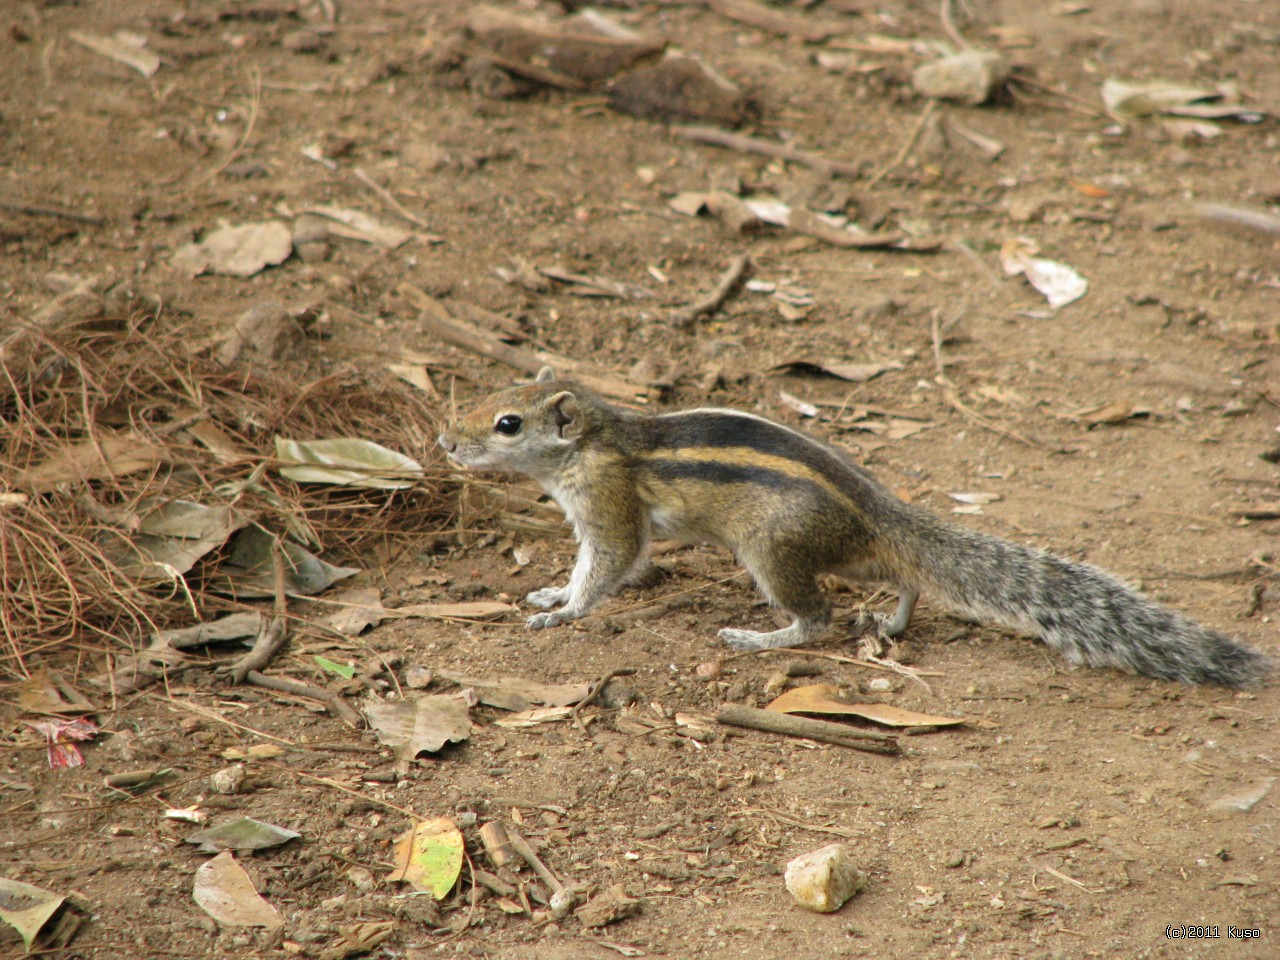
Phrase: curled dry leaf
x=802 y=407
x=825 y=698
x=356 y=225
x=1059 y=283
x=27 y=908
x=975 y=498
x=470 y=610
x=347 y=462
x=1115 y=411
x=124 y=47
x=853 y=372
x=249 y=571
x=517 y=693
x=531 y=718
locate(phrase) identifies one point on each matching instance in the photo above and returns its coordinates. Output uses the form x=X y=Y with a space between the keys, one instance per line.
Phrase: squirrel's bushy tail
x=1083 y=612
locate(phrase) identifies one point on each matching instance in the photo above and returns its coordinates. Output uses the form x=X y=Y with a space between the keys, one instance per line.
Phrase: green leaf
x=429 y=856
x=343 y=670
x=346 y=461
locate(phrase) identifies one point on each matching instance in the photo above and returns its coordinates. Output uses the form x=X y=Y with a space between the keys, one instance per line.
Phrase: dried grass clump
x=100 y=418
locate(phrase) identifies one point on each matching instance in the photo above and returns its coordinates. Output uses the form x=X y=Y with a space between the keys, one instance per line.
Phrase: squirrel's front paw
x=553 y=619
x=547 y=597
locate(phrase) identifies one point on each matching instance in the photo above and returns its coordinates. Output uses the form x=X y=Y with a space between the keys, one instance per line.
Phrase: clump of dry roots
x=109 y=408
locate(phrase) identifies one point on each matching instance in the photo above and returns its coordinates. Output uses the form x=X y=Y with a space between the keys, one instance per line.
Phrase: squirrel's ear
x=568 y=414
x=544 y=375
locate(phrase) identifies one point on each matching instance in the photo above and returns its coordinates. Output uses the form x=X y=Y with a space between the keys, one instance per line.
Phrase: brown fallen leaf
x=237 y=251
x=109 y=456
x=224 y=891
x=358 y=938
x=124 y=47
x=853 y=372
x=825 y=698
x=1116 y=411
x=358 y=608
x=474 y=610
x=531 y=718
x=608 y=907
x=422 y=725
x=517 y=693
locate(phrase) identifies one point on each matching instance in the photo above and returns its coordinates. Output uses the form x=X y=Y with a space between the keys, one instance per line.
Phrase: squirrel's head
x=527 y=428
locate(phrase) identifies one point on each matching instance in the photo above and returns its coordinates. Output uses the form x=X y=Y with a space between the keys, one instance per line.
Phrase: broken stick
x=729 y=280
x=437 y=320
x=738 y=715
x=744 y=144
x=521 y=846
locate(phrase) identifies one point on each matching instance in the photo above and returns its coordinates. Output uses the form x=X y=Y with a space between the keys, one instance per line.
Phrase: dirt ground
x=1074 y=816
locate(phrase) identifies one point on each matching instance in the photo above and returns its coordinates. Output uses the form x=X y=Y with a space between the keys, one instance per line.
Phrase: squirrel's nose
x=448 y=444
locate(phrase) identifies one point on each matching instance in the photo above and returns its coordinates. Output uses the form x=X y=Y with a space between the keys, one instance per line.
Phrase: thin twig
x=298 y=689
x=594 y=692
x=824 y=731
x=38 y=210
x=949 y=392
x=255 y=105
x=733 y=275
x=744 y=144
x=907 y=146
x=1074 y=103
x=388 y=198
x=949 y=26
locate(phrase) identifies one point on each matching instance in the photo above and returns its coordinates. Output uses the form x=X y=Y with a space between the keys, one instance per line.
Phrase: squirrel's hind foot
x=802 y=631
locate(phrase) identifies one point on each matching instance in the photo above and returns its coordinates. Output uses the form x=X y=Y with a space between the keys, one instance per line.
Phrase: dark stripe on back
x=725 y=428
x=714 y=472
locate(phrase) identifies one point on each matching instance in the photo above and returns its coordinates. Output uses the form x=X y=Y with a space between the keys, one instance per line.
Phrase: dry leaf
x=50 y=693
x=224 y=891
x=358 y=609
x=1059 y=283
x=244 y=833
x=802 y=407
x=976 y=498
x=355 y=225
x=1130 y=100
x=416 y=375
x=853 y=372
x=531 y=718
x=474 y=610
x=347 y=462
x=109 y=456
x=422 y=725
x=124 y=47
x=1116 y=411
x=825 y=698
x=27 y=908
x=516 y=693
x=239 y=251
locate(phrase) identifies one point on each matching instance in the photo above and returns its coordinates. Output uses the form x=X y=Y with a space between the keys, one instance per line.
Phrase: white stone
x=824 y=879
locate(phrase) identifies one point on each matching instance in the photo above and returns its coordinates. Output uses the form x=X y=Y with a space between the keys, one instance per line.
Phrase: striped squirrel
x=791 y=508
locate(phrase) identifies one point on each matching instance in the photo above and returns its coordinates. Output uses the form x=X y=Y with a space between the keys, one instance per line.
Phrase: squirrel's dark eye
x=509 y=425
